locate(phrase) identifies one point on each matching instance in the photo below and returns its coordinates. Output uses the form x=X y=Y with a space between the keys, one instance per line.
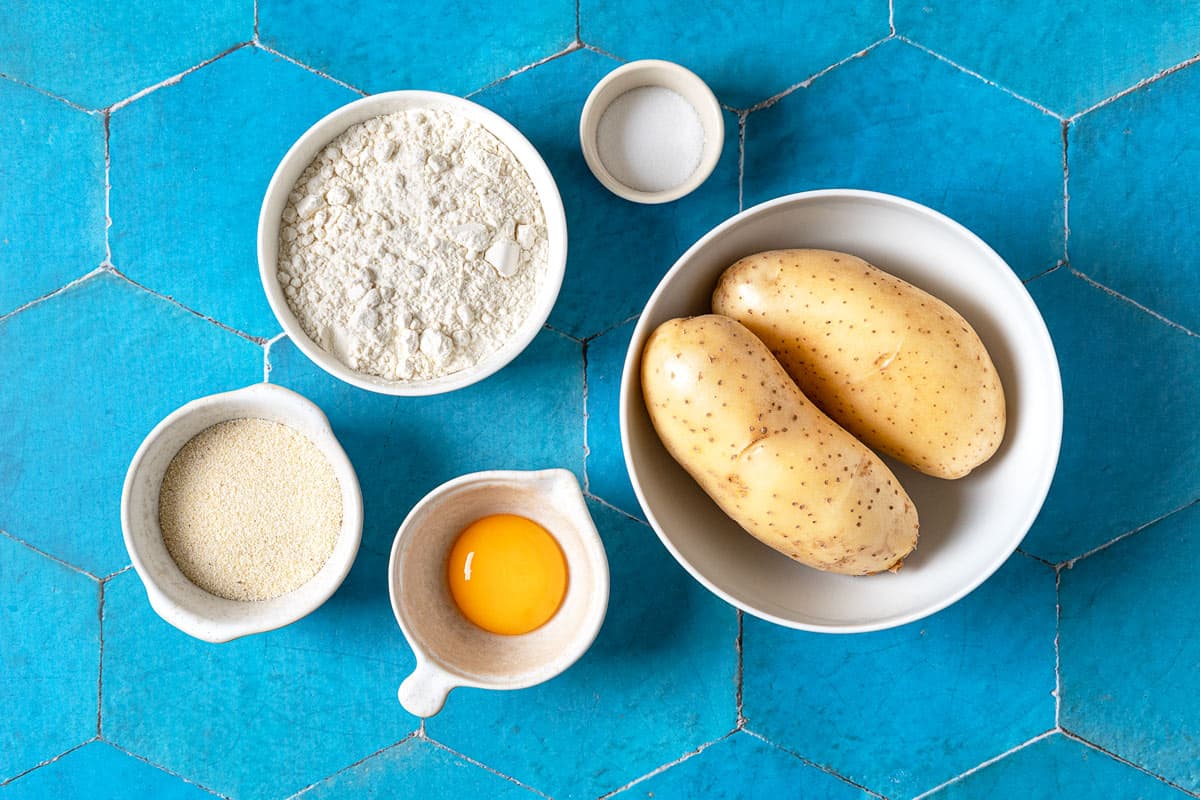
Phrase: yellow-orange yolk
x=507 y=574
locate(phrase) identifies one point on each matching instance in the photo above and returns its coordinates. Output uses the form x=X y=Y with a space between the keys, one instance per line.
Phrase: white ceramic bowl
x=176 y=599
x=452 y=652
x=969 y=526
x=332 y=125
x=668 y=75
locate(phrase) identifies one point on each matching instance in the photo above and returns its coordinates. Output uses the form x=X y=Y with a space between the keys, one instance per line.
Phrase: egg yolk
x=507 y=574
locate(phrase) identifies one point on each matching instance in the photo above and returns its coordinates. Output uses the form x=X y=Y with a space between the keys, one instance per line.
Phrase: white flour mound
x=413 y=245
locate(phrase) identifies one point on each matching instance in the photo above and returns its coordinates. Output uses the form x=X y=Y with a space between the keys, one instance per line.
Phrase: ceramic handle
x=423 y=693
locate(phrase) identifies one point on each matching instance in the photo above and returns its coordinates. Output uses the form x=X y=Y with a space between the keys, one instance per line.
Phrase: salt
x=650 y=139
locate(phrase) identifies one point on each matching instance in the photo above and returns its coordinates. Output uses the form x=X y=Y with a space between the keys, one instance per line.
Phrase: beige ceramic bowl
x=452 y=652
x=176 y=599
x=668 y=75
x=969 y=527
x=333 y=125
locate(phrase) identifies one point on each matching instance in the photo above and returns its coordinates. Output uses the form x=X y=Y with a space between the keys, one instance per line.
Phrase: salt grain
x=650 y=139
x=250 y=509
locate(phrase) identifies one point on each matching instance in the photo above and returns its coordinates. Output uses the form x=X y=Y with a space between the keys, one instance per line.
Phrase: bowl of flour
x=412 y=243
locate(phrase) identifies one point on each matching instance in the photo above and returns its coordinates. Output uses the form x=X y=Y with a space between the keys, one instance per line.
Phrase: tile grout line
x=49 y=94
x=740 y=674
x=610 y=328
x=48 y=761
x=1113 y=292
x=987 y=763
x=107 y=189
x=100 y=664
x=408 y=737
x=892 y=17
x=742 y=117
x=52 y=293
x=611 y=507
x=481 y=765
x=1027 y=101
x=1058 y=647
x=174 y=79
x=53 y=558
x=229 y=328
x=564 y=334
x=1143 y=83
x=587 y=451
x=255 y=40
x=807 y=82
x=809 y=762
x=1066 y=166
x=1037 y=559
x=687 y=756
x=161 y=768
x=258 y=45
x=578 y=24
x=1026 y=281
x=571 y=48
x=1088 y=743
x=122 y=570
x=1071 y=562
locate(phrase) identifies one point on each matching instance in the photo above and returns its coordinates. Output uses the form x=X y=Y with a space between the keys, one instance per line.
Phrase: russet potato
x=729 y=414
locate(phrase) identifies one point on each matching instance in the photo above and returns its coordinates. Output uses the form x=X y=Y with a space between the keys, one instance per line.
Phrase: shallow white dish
x=452 y=652
x=328 y=128
x=969 y=527
x=175 y=598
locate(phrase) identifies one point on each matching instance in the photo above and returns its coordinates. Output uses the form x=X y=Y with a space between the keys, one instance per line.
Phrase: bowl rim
x=630 y=378
x=195 y=622
x=383 y=103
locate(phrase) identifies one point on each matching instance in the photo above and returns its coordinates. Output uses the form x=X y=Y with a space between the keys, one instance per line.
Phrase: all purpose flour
x=413 y=245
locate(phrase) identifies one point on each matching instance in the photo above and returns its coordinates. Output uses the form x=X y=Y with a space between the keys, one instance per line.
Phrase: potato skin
x=893 y=365
x=729 y=414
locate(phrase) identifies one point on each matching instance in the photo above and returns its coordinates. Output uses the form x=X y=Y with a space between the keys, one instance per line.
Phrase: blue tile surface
x=95 y=53
x=738 y=767
x=746 y=56
x=618 y=250
x=607 y=476
x=658 y=682
x=49 y=657
x=453 y=47
x=190 y=164
x=99 y=771
x=1058 y=767
x=414 y=770
x=904 y=710
x=1064 y=56
x=1118 y=364
x=1133 y=198
x=52 y=217
x=1130 y=659
x=894 y=121
x=100 y=365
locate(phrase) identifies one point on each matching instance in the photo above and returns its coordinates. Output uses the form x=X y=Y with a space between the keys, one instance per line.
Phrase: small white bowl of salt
x=651 y=131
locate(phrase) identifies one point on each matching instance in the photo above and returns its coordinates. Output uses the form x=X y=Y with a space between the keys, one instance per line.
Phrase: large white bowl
x=329 y=128
x=969 y=527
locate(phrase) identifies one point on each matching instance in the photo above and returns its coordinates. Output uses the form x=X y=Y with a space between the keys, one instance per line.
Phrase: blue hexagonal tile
x=1130 y=656
x=618 y=250
x=100 y=771
x=737 y=766
x=96 y=53
x=52 y=218
x=190 y=164
x=99 y=365
x=903 y=710
x=765 y=47
x=1133 y=198
x=1066 y=57
x=898 y=120
x=414 y=770
x=1057 y=767
x=262 y=716
x=528 y=415
x=1119 y=365
x=658 y=682
x=607 y=476
x=49 y=657
x=380 y=46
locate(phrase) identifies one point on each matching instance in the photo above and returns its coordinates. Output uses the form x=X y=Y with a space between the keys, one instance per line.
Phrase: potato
x=729 y=414
x=893 y=365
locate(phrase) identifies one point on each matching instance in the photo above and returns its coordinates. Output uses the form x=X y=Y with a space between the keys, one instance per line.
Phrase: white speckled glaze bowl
x=175 y=598
x=328 y=128
x=451 y=651
x=969 y=527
